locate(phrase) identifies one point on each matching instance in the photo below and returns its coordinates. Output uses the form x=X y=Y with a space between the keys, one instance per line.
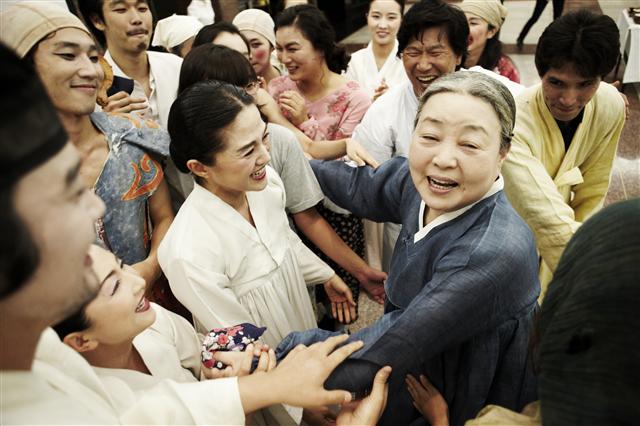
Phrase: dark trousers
x=558 y=5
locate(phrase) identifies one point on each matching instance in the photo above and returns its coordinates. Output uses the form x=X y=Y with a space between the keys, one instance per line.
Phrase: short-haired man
x=46 y=216
x=566 y=133
x=125 y=26
x=121 y=154
x=432 y=41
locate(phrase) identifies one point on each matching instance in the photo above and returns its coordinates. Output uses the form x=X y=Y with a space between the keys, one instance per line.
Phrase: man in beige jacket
x=566 y=133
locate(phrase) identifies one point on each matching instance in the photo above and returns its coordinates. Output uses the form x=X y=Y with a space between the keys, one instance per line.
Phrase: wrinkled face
x=59 y=212
x=297 y=54
x=232 y=41
x=479 y=32
x=120 y=311
x=127 y=24
x=566 y=92
x=455 y=156
x=241 y=166
x=383 y=19
x=67 y=64
x=260 y=51
x=428 y=58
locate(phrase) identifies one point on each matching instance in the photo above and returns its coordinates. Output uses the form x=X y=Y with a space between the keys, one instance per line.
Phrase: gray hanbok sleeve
x=467 y=295
x=374 y=194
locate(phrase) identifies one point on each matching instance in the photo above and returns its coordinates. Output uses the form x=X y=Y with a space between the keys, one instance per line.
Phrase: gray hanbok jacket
x=460 y=302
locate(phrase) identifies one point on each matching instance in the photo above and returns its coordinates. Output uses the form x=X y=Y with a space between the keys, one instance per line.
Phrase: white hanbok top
x=363 y=69
x=63 y=388
x=227 y=272
x=170 y=349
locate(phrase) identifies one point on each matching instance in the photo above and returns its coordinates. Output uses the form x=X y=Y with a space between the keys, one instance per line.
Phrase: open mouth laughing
x=143 y=305
x=440 y=184
x=426 y=80
x=260 y=174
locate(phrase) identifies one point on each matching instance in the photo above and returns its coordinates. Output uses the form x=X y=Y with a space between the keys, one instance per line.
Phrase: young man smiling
x=566 y=134
x=121 y=154
x=125 y=26
x=432 y=41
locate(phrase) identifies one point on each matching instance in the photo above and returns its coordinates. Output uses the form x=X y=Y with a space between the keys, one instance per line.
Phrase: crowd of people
x=187 y=234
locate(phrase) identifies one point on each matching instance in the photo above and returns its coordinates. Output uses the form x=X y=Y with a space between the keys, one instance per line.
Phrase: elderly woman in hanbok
x=462 y=289
x=584 y=334
x=230 y=256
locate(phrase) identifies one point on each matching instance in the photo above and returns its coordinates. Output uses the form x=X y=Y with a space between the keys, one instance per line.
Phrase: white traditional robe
x=63 y=388
x=170 y=349
x=363 y=69
x=227 y=272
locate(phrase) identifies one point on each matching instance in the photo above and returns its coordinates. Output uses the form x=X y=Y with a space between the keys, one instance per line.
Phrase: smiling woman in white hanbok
x=377 y=67
x=230 y=255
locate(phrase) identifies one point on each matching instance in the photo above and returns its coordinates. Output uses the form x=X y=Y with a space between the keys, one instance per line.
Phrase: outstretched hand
x=302 y=373
x=357 y=153
x=428 y=401
x=239 y=362
x=372 y=280
x=368 y=411
x=343 y=307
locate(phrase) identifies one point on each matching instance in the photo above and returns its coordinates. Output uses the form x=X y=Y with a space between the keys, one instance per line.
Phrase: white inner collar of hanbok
x=424 y=230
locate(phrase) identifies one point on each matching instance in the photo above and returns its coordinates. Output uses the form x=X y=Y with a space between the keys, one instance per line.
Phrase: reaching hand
x=428 y=401
x=319 y=416
x=357 y=153
x=302 y=373
x=239 y=363
x=294 y=105
x=368 y=411
x=343 y=307
x=372 y=280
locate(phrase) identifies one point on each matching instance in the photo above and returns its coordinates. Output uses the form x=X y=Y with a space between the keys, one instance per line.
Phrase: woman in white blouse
x=125 y=337
x=377 y=66
x=230 y=255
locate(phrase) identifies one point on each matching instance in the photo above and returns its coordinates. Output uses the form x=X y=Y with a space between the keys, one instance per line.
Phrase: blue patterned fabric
x=460 y=301
x=131 y=174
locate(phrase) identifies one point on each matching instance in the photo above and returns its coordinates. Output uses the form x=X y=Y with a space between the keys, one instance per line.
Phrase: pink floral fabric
x=333 y=116
x=507 y=69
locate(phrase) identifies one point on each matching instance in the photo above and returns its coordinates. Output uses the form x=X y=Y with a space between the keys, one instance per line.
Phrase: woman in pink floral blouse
x=320 y=102
x=314 y=96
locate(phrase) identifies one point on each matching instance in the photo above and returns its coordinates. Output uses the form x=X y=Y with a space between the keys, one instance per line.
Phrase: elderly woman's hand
x=343 y=307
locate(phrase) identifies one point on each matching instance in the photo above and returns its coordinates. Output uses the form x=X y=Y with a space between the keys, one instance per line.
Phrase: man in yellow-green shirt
x=566 y=133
